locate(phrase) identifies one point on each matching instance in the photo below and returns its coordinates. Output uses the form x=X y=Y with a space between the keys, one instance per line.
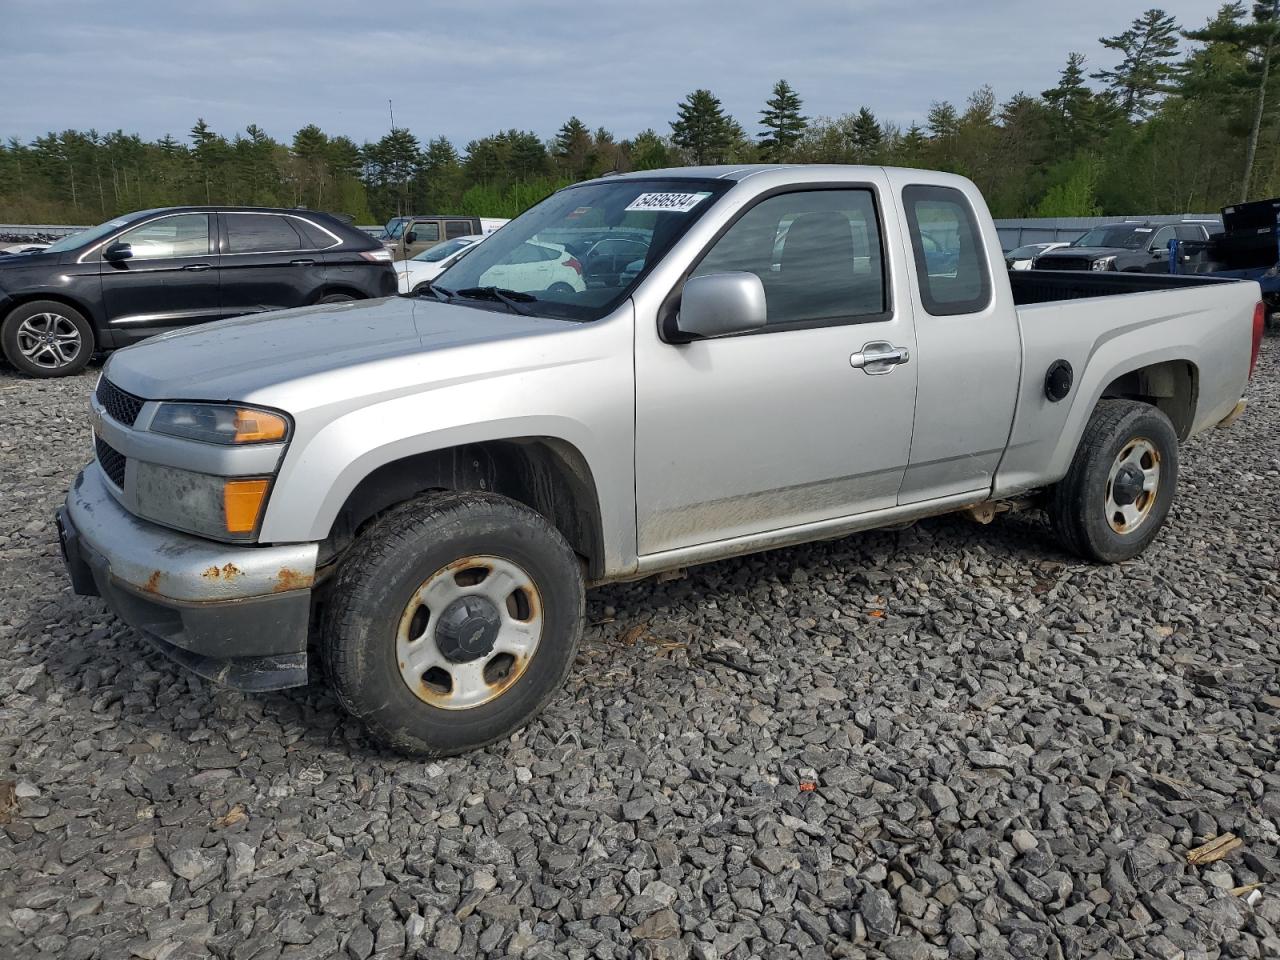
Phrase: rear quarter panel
x=1104 y=338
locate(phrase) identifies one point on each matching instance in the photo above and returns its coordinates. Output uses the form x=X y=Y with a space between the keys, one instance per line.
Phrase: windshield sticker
x=1142 y=229
x=579 y=212
x=667 y=202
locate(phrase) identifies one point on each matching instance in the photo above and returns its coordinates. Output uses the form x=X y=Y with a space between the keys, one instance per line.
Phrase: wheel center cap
x=1127 y=486
x=468 y=629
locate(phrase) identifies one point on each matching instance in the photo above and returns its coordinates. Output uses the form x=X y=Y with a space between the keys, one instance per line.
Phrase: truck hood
x=387 y=341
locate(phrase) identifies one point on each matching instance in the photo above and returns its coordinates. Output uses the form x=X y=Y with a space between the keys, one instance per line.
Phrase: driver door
x=780 y=427
x=169 y=281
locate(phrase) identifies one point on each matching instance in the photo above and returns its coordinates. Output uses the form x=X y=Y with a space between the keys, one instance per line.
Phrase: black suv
x=157 y=270
x=1127 y=247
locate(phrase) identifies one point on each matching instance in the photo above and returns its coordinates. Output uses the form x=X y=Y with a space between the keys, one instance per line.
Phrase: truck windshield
x=1130 y=238
x=552 y=258
x=395 y=227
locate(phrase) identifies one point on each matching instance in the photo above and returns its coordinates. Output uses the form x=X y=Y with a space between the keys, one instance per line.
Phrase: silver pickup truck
x=426 y=485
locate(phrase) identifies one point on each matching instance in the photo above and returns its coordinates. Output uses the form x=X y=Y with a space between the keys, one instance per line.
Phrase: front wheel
x=453 y=620
x=1117 y=493
x=46 y=338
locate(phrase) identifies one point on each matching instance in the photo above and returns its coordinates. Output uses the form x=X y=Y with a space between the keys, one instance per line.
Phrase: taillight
x=573 y=264
x=1259 y=325
x=376 y=256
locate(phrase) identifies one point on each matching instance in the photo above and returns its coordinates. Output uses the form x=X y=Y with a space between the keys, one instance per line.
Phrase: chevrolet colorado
x=426 y=485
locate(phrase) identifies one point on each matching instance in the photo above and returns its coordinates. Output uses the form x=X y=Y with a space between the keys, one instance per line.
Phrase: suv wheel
x=45 y=338
x=336 y=298
x=452 y=622
x=1117 y=493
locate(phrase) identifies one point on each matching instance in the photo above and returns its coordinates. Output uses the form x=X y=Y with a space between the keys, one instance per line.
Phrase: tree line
x=1186 y=121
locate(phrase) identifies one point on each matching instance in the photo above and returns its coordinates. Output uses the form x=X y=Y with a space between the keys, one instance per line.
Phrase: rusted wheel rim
x=1132 y=485
x=469 y=632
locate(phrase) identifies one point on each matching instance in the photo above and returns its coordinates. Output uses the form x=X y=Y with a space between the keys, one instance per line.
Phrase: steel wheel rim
x=440 y=681
x=1141 y=455
x=49 y=340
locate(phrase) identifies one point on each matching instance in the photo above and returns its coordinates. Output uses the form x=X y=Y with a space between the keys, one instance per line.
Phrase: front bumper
x=238 y=615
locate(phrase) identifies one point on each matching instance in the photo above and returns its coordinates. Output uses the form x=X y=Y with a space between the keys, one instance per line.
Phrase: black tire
x=560 y=287
x=372 y=593
x=47 y=363
x=1078 y=506
x=336 y=298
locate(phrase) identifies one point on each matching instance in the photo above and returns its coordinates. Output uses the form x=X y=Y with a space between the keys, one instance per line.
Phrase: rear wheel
x=1117 y=493
x=45 y=338
x=453 y=621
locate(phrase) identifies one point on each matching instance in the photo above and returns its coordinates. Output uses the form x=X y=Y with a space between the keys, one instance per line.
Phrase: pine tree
x=782 y=122
x=573 y=148
x=1148 y=46
x=703 y=129
x=1257 y=41
x=1080 y=113
x=866 y=136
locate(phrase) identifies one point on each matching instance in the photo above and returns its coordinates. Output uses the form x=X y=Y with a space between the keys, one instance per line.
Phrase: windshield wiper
x=440 y=293
x=514 y=300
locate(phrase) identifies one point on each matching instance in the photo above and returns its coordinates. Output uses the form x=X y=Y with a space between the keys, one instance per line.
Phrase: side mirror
x=411 y=237
x=721 y=304
x=117 y=251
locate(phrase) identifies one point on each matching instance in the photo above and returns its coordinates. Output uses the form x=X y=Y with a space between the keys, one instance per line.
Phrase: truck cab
x=409 y=236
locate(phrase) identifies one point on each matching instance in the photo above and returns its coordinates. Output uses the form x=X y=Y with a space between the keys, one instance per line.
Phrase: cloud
x=463 y=70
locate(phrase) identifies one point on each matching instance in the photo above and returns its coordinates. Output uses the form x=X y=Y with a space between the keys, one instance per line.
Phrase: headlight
x=225 y=508
x=220 y=423
x=1104 y=263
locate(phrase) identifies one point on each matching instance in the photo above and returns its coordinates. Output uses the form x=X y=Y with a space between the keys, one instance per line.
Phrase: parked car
x=1021 y=258
x=415 y=275
x=12 y=249
x=409 y=236
x=159 y=270
x=534 y=267
x=1122 y=247
x=1248 y=248
x=442 y=476
x=609 y=258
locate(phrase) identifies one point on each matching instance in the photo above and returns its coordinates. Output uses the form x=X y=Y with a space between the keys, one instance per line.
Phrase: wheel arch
x=328 y=289
x=22 y=299
x=546 y=474
x=1172 y=386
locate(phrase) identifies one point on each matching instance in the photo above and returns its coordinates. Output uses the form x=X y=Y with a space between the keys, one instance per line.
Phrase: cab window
x=817 y=252
x=950 y=259
x=182 y=235
x=425 y=231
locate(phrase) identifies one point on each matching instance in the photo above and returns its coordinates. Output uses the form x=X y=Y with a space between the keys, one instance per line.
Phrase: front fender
x=588 y=405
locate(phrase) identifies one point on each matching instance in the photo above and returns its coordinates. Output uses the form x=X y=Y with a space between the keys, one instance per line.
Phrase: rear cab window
x=950 y=257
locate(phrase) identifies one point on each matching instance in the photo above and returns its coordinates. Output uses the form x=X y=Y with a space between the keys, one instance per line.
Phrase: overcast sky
x=466 y=69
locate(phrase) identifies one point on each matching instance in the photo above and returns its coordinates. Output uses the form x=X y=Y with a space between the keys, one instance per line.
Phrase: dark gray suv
x=1125 y=247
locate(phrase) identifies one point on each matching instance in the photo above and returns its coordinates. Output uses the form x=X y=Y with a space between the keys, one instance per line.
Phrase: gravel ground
x=949 y=741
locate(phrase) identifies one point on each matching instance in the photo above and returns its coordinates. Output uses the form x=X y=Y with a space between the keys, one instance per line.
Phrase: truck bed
x=1047 y=286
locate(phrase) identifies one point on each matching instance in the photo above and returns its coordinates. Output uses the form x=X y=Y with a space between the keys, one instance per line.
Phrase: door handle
x=879 y=357
x=196 y=267
x=301 y=263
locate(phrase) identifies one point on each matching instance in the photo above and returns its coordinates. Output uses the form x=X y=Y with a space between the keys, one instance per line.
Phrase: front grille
x=121 y=406
x=111 y=460
x=1064 y=263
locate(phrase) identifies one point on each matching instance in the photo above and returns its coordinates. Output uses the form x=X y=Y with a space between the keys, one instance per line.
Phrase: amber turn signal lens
x=242 y=502
x=258 y=426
